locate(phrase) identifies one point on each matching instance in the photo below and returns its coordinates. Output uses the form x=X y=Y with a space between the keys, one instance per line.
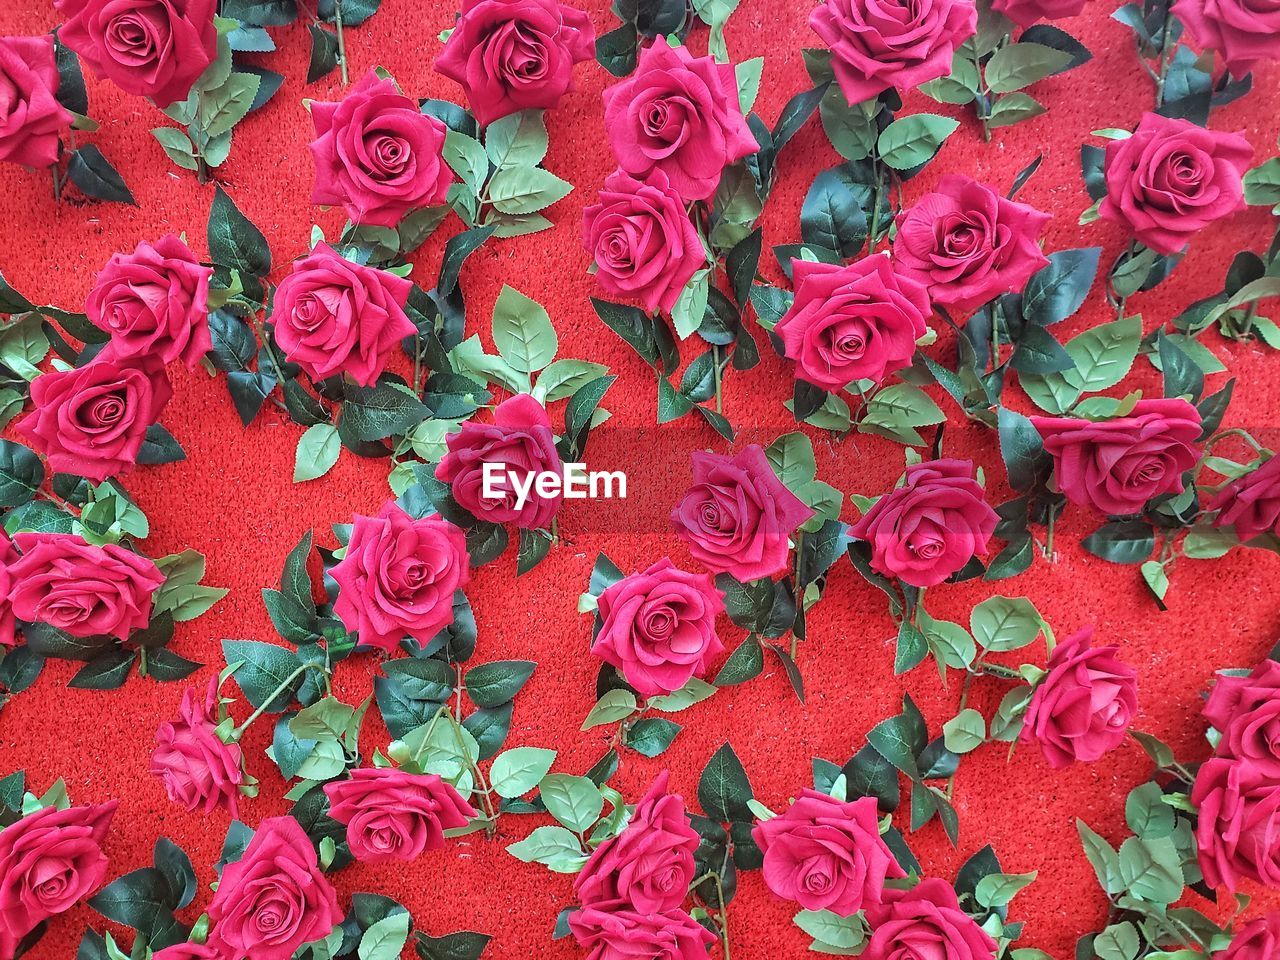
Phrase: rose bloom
x=679 y=114
x=1250 y=504
x=333 y=316
x=649 y=866
x=377 y=154
x=1171 y=178
x=520 y=441
x=1259 y=939
x=737 y=517
x=931 y=526
x=512 y=55
x=398 y=577
x=854 y=322
x=616 y=932
x=658 y=627
x=1026 y=12
x=1084 y=705
x=48 y=861
x=189 y=951
x=31 y=118
x=967 y=243
x=826 y=854
x=392 y=815
x=926 y=923
x=1238 y=829
x=274 y=898
x=198 y=770
x=150 y=48
x=81 y=589
x=1246 y=711
x=154 y=302
x=8 y=622
x=644 y=245
x=1116 y=466
x=879 y=44
x=1245 y=32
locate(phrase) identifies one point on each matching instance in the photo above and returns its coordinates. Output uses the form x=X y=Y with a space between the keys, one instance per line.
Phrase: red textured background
x=233 y=499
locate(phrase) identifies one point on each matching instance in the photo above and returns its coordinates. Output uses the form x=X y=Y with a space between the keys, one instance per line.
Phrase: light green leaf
x=1022 y=64
x=385 y=939
x=911 y=141
x=613 y=706
x=318 y=449
x=574 y=801
x=517 y=140
x=522 y=331
x=1005 y=623
x=516 y=772
x=964 y=732
x=525 y=189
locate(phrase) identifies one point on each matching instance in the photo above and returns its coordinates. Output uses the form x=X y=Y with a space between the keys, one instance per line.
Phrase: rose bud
x=393 y=815
x=925 y=922
x=189 y=951
x=198 y=770
x=31 y=118
x=1250 y=505
x=1026 y=12
x=616 y=932
x=1238 y=828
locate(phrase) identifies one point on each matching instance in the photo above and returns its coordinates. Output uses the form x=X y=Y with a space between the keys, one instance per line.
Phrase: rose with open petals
x=616 y=932
x=189 y=951
x=1244 y=32
x=925 y=923
x=1084 y=705
x=31 y=118
x=8 y=622
x=1259 y=939
x=1238 y=828
x=1250 y=505
x=198 y=769
x=394 y=815
x=1026 y=12
x=1246 y=712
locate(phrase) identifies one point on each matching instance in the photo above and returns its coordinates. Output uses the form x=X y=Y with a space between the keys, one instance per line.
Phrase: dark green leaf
x=96 y=177
x=234 y=242
x=723 y=788
x=492 y=684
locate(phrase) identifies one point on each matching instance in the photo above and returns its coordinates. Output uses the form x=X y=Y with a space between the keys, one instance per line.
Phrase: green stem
x=284 y=685
x=1165 y=51
x=342 y=43
x=492 y=826
x=57 y=182
x=715 y=368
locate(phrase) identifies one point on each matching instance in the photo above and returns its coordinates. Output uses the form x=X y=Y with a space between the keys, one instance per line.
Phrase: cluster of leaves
x=328 y=47
x=645 y=20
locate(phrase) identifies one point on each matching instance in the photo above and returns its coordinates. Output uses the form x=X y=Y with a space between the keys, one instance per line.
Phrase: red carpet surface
x=234 y=500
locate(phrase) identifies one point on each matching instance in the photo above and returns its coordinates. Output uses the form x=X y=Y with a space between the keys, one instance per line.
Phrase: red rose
x=643 y=243
x=649 y=866
x=189 y=951
x=1026 y=12
x=658 y=627
x=197 y=768
x=398 y=577
x=393 y=815
x=1250 y=505
x=274 y=898
x=1084 y=705
x=519 y=441
x=154 y=302
x=31 y=118
x=1171 y=178
x=737 y=517
x=151 y=48
x=679 y=114
x=512 y=55
x=854 y=322
x=615 y=932
x=8 y=622
x=333 y=316
x=48 y=861
x=377 y=154
x=826 y=854
x=967 y=243
x=926 y=923
x=1259 y=939
x=81 y=589
x=1238 y=829
x=931 y=526
x=881 y=44
x=1246 y=712
x=1116 y=466
x=1243 y=31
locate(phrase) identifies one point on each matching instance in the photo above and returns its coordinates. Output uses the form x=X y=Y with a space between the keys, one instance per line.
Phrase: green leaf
x=522 y=331
x=1122 y=541
x=894 y=739
x=690 y=307
x=844 y=933
x=574 y=801
x=318 y=449
x=615 y=705
x=997 y=889
x=1103 y=857
x=1118 y=941
x=650 y=736
x=911 y=649
x=525 y=189
x=549 y=845
x=792 y=459
x=234 y=242
x=1151 y=869
x=563 y=378
x=385 y=939
x=517 y=140
x=745 y=663
x=832 y=216
x=108 y=671
x=965 y=732
x=1014 y=108
x=96 y=177
x=516 y=772
x=223 y=108
x=263 y=668
x=911 y=141
x=1005 y=623
x=21 y=474
x=694 y=691
x=1056 y=291
x=1021 y=64
x=377 y=412
x=492 y=684
x=723 y=788
x=1104 y=354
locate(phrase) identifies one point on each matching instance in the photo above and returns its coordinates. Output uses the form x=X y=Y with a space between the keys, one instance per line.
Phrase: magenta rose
x=679 y=114
x=737 y=517
x=520 y=442
x=658 y=627
x=333 y=316
x=31 y=118
x=198 y=769
x=826 y=854
x=1238 y=828
x=512 y=55
x=8 y=622
x=616 y=932
x=274 y=898
x=1243 y=31
x=854 y=322
x=929 y=527
x=1084 y=705
x=392 y=815
x=189 y=951
x=48 y=861
x=925 y=923
x=1026 y=12
x=398 y=577
x=1116 y=466
x=881 y=44
x=968 y=244
x=150 y=48
x=81 y=589
x=1250 y=505
x=1246 y=712
x=154 y=302
x=1259 y=939
x=1171 y=178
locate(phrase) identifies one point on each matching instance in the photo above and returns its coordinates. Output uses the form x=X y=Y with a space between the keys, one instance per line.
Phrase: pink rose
x=48 y=861
x=31 y=118
x=189 y=951
x=854 y=322
x=198 y=769
x=273 y=899
x=967 y=243
x=1243 y=31
x=91 y=421
x=8 y=622
x=150 y=48
x=398 y=577
x=926 y=923
x=826 y=854
x=1026 y=12
x=679 y=114
x=333 y=316
x=154 y=302
x=658 y=627
x=1250 y=505
x=931 y=526
x=615 y=932
x=392 y=815
x=1259 y=939
x=1084 y=705
x=1246 y=712
x=649 y=866
x=737 y=517
x=83 y=590
x=881 y=44
x=1116 y=466
x=520 y=442
x=1238 y=829
x=1171 y=178
x=512 y=55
